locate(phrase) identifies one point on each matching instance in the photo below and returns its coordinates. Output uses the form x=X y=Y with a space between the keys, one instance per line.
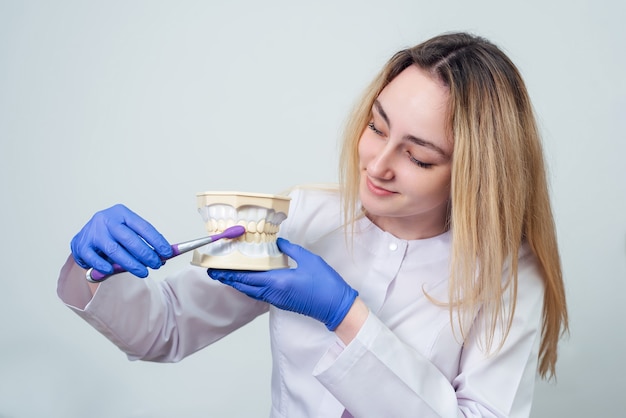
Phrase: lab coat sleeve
x=162 y=321
x=378 y=375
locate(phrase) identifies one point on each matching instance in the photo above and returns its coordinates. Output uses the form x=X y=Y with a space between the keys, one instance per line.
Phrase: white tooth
x=212 y=224
x=251 y=227
x=222 y=211
x=230 y=222
x=248 y=213
x=257 y=238
x=221 y=224
x=249 y=237
x=260 y=227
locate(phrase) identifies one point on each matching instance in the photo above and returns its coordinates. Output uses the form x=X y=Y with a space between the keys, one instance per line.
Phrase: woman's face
x=405 y=157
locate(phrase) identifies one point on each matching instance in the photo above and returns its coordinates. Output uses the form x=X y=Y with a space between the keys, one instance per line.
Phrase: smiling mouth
x=378 y=191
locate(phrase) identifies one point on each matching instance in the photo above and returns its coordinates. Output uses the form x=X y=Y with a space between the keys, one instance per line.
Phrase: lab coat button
x=393 y=246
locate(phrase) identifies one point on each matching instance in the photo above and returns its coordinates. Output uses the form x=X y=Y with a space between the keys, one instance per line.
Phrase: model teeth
x=262 y=226
x=261 y=231
x=260 y=215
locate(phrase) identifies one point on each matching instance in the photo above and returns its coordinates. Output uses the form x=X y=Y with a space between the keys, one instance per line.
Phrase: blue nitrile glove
x=313 y=288
x=118 y=235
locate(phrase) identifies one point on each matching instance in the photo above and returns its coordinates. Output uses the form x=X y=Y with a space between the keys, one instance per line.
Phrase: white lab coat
x=406 y=361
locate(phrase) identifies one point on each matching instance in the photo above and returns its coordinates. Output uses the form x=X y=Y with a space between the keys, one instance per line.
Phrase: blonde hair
x=499 y=192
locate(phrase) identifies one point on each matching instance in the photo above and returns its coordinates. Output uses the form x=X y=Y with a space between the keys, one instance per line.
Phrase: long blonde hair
x=499 y=191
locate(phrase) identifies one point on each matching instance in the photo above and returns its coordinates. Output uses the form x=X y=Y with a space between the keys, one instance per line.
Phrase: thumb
x=292 y=250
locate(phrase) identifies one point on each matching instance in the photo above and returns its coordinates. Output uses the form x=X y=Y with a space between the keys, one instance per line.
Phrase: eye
x=374 y=129
x=418 y=162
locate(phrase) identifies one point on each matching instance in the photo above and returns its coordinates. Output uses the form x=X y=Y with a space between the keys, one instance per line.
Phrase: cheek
x=366 y=149
x=442 y=185
x=362 y=151
x=434 y=187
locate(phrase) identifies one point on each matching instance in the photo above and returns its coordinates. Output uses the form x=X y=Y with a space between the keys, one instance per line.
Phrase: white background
x=147 y=103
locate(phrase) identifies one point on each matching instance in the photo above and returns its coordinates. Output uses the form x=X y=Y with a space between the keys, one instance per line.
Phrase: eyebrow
x=418 y=141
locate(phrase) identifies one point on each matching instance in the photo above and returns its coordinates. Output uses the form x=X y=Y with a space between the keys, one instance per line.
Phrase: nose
x=381 y=165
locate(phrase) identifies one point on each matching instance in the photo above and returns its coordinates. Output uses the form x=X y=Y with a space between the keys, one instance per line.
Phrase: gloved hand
x=313 y=288
x=118 y=235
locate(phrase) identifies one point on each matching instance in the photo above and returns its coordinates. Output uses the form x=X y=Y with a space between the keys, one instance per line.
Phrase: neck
x=410 y=229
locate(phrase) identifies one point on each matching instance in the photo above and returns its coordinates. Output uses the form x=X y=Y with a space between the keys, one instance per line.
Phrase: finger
x=252 y=291
x=117 y=253
x=88 y=255
x=219 y=275
x=236 y=281
x=90 y=258
x=122 y=237
x=255 y=279
x=147 y=232
x=77 y=253
x=292 y=250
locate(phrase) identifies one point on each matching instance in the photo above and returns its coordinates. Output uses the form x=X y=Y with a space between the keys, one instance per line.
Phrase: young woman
x=427 y=284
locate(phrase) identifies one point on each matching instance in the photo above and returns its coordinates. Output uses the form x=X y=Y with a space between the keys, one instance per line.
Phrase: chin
x=376 y=208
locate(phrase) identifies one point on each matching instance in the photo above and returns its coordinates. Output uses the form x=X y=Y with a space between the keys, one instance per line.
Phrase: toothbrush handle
x=94 y=276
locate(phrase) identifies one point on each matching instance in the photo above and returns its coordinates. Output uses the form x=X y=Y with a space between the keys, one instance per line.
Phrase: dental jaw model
x=260 y=214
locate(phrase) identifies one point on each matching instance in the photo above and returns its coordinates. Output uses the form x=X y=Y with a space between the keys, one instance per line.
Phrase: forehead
x=417 y=88
x=417 y=104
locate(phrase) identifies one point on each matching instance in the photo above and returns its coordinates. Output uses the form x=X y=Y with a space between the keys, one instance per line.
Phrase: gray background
x=147 y=103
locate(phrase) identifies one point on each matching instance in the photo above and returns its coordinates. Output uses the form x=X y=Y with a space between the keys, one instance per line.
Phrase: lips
x=376 y=190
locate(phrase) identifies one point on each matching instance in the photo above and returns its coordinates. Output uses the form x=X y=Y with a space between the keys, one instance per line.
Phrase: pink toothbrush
x=94 y=276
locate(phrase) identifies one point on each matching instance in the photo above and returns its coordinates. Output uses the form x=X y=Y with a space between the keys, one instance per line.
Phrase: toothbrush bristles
x=234 y=231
